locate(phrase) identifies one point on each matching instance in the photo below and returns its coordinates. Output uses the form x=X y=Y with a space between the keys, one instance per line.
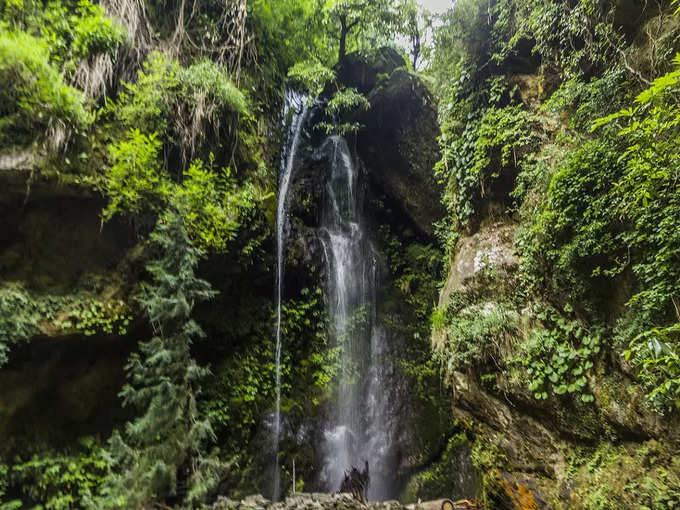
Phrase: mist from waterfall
x=295 y=106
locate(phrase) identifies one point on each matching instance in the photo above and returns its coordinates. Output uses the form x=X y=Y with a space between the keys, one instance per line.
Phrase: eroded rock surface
x=398 y=139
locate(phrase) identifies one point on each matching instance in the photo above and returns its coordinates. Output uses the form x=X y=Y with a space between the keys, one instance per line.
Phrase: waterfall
x=358 y=430
x=297 y=105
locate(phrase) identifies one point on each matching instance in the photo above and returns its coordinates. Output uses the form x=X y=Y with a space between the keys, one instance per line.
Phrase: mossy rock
x=363 y=71
x=399 y=146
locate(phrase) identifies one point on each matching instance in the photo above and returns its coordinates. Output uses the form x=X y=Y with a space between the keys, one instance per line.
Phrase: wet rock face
x=58 y=390
x=305 y=502
x=55 y=254
x=398 y=142
x=399 y=147
x=490 y=249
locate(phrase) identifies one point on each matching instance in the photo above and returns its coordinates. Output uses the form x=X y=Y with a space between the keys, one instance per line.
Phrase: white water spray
x=359 y=430
x=297 y=104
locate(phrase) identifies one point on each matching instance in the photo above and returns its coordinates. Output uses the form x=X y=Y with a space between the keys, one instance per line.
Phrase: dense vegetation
x=559 y=120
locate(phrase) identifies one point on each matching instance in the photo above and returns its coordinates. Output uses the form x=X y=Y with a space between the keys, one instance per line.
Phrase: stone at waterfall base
x=343 y=501
x=305 y=501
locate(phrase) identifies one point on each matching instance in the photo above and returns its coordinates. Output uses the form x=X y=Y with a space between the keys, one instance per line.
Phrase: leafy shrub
x=477 y=150
x=212 y=203
x=24 y=315
x=479 y=336
x=34 y=96
x=571 y=37
x=646 y=195
x=18 y=321
x=147 y=103
x=165 y=445
x=76 y=34
x=571 y=245
x=558 y=357
x=90 y=318
x=586 y=100
x=210 y=79
x=135 y=180
x=311 y=76
x=181 y=104
x=58 y=480
x=344 y=103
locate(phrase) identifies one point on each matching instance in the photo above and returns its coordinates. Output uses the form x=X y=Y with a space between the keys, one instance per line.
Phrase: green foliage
x=18 y=321
x=344 y=105
x=73 y=31
x=478 y=148
x=443 y=476
x=646 y=195
x=360 y=24
x=478 y=336
x=558 y=357
x=24 y=315
x=289 y=33
x=77 y=34
x=645 y=476
x=180 y=104
x=135 y=180
x=570 y=37
x=162 y=452
x=654 y=354
x=147 y=103
x=214 y=206
x=311 y=76
x=208 y=79
x=34 y=97
x=212 y=202
x=56 y=480
x=347 y=100
x=241 y=390
x=96 y=317
x=586 y=100
x=572 y=244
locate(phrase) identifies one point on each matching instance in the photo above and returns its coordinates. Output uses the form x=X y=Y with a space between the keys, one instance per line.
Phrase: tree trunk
x=343 y=39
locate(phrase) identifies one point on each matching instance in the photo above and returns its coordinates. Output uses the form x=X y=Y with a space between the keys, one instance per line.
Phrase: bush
x=212 y=203
x=646 y=195
x=182 y=105
x=135 y=180
x=34 y=96
x=571 y=245
x=57 y=480
x=479 y=336
x=77 y=35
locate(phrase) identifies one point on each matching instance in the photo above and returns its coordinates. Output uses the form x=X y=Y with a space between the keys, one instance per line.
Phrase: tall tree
x=359 y=16
x=415 y=24
x=161 y=455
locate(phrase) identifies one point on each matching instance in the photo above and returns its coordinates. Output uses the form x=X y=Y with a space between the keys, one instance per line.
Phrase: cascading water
x=295 y=104
x=359 y=430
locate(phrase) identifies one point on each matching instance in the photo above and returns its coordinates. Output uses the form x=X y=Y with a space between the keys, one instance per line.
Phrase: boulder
x=363 y=72
x=399 y=146
x=490 y=249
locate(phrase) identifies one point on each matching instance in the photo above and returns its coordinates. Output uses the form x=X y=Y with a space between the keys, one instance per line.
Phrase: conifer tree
x=160 y=457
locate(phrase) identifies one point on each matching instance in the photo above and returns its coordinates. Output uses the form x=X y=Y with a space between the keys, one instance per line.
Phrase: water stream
x=295 y=105
x=358 y=430
x=358 y=425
